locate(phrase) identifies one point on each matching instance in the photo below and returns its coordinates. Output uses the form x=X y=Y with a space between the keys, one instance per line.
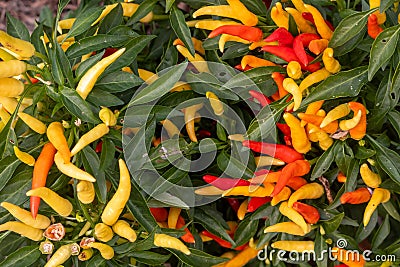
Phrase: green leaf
x=8 y=165
x=385 y=4
x=24 y=256
x=245 y=230
x=387 y=159
x=257 y=75
x=84 y=20
x=102 y=98
x=168 y=5
x=181 y=29
x=382 y=49
x=16 y=28
x=144 y=8
x=344 y=84
x=391 y=210
x=381 y=234
x=256 y=6
x=351 y=44
x=159 y=87
x=149 y=257
x=364 y=231
x=396 y=79
x=353 y=170
x=331 y=225
x=233 y=167
x=107 y=153
x=336 y=202
x=323 y=163
x=91 y=163
x=87 y=64
x=20 y=182
x=113 y=19
x=66 y=65
x=349 y=27
x=320 y=247
x=198 y=258
x=77 y=106
x=118 y=81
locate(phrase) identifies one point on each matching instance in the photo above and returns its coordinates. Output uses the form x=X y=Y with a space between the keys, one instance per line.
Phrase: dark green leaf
x=343 y=84
x=235 y=51
x=382 y=49
x=245 y=230
x=233 y=167
x=198 y=258
x=56 y=67
x=385 y=4
x=118 y=81
x=168 y=5
x=144 y=8
x=320 y=247
x=256 y=6
x=103 y=98
x=381 y=234
x=351 y=44
x=66 y=65
x=181 y=29
x=24 y=256
x=395 y=83
x=391 y=210
x=113 y=19
x=91 y=163
x=107 y=153
x=323 y=163
x=149 y=257
x=16 y=28
x=257 y=75
x=336 y=202
x=352 y=175
x=331 y=225
x=8 y=165
x=77 y=106
x=364 y=231
x=20 y=182
x=84 y=21
x=87 y=64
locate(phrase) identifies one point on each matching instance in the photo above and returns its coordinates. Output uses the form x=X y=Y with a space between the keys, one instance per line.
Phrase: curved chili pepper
x=123 y=229
x=160 y=214
x=278 y=79
x=215 y=103
x=312 y=108
x=40 y=222
x=55 y=134
x=361 y=195
x=261 y=98
x=241 y=212
x=282 y=35
x=291 y=86
x=347 y=258
x=309 y=213
x=220 y=241
x=282 y=196
x=187 y=237
x=256 y=202
x=316 y=120
x=284 y=128
x=308 y=16
x=300 y=41
x=304 y=25
x=286 y=227
x=229 y=38
x=298 y=246
x=248 y=33
x=370 y=178
x=330 y=63
x=359 y=131
x=293 y=70
x=59 y=204
x=341 y=177
x=94 y=134
x=166 y=241
x=198 y=45
x=296 y=182
x=239 y=67
x=322 y=27
x=282 y=152
x=318 y=46
x=346 y=125
x=307 y=191
x=20 y=47
x=234 y=203
x=211 y=24
x=243 y=257
x=280 y=16
x=293 y=215
x=255 y=62
x=381 y=17
x=299 y=136
x=224 y=183
x=250 y=191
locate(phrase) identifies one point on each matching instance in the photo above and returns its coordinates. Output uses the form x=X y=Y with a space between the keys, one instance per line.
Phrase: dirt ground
x=28 y=10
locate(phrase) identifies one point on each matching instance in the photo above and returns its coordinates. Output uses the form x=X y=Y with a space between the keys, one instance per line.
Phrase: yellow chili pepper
x=59 y=204
x=60 y=256
x=298 y=134
x=216 y=104
x=325 y=141
x=250 y=191
x=379 y=196
x=322 y=28
x=314 y=78
x=255 y=62
x=330 y=63
x=117 y=203
x=349 y=124
x=312 y=108
x=312 y=131
x=33 y=123
x=318 y=46
x=128 y=10
x=280 y=16
x=380 y=16
x=11 y=87
x=291 y=86
x=71 y=170
x=242 y=210
x=293 y=70
x=55 y=134
x=288 y=228
x=307 y=191
x=10 y=104
x=22 y=229
x=147 y=76
x=85 y=191
x=107 y=117
x=103 y=232
x=180 y=86
x=293 y=215
x=242 y=257
x=173 y=216
x=170 y=128
x=65 y=24
x=281 y=196
x=190 y=114
x=12 y=68
x=255 y=45
x=230 y=38
x=370 y=178
x=299 y=5
x=298 y=246
x=197 y=60
x=89 y=79
x=21 y=47
x=24 y=157
x=209 y=191
x=268 y=161
x=41 y=221
x=166 y=241
x=235 y=10
x=336 y=113
x=303 y=25
x=198 y=45
x=5 y=55
x=210 y=24
x=123 y=229
x=94 y=134
x=106 y=251
x=86 y=254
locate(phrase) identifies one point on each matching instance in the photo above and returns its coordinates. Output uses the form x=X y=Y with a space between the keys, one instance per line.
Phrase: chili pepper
x=291 y=86
x=46 y=247
x=309 y=213
x=123 y=229
x=341 y=177
x=338 y=112
x=330 y=63
x=243 y=257
x=312 y=108
x=235 y=10
x=210 y=24
x=293 y=215
x=373 y=27
x=304 y=25
x=346 y=125
x=282 y=196
x=241 y=212
x=85 y=255
x=278 y=79
x=220 y=241
x=299 y=137
x=33 y=123
x=262 y=161
x=94 y=134
x=282 y=35
x=350 y=258
x=260 y=97
x=282 y=152
x=187 y=237
x=117 y=203
x=370 y=178
x=103 y=232
x=71 y=170
x=160 y=214
x=10 y=104
x=298 y=246
x=224 y=183
x=89 y=79
x=316 y=120
x=21 y=47
x=280 y=16
x=22 y=229
x=216 y=104
x=358 y=132
x=65 y=24
x=189 y=120
x=197 y=60
x=173 y=215
x=86 y=241
x=312 y=135
x=198 y=45
x=55 y=134
x=308 y=16
x=12 y=68
x=40 y=172
x=106 y=251
x=250 y=191
x=180 y=86
x=60 y=256
x=325 y=141
x=4 y=115
x=381 y=17
x=209 y=191
x=296 y=182
x=267 y=177
x=322 y=27
x=256 y=202
x=10 y=87
x=55 y=232
x=166 y=241
x=6 y=54
x=361 y=195
x=293 y=70
x=287 y=227
x=318 y=46
x=40 y=222
x=85 y=191
x=314 y=78
x=296 y=168
x=24 y=157
x=128 y=10
x=300 y=41
x=245 y=32
x=255 y=62
x=230 y=38
x=284 y=128
x=107 y=117
x=299 y=5
x=170 y=127
x=307 y=191
x=59 y=204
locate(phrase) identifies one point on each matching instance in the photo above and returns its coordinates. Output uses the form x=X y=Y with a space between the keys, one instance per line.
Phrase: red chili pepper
x=300 y=41
x=261 y=98
x=187 y=237
x=234 y=203
x=309 y=213
x=282 y=152
x=342 y=265
x=374 y=29
x=204 y=133
x=224 y=183
x=109 y=51
x=330 y=25
x=283 y=36
x=221 y=242
x=99 y=147
x=288 y=140
x=256 y=202
x=361 y=195
x=248 y=33
x=284 y=128
x=239 y=67
x=292 y=169
x=160 y=214
x=308 y=16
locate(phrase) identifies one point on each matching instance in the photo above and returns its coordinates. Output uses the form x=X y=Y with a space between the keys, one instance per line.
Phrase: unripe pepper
x=85 y=191
x=22 y=229
x=94 y=134
x=313 y=78
x=325 y=141
x=245 y=32
x=309 y=213
x=24 y=157
x=107 y=117
x=288 y=228
x=338 y=112
x=60 y=256
x=280 y=16
x=190 y=113
x=11 y=87
x=40 y=222
x=170 y=128
x=320 y=23
x=296 y=168
x=298 y=246
x=299 y=5
x=71 y=170
x=262 y=161
x=346 y=125
x=198 y=45
x=21 y=47
x=230 y=38
x=59 y=204
x=380 y=16
x=358 y=132
x=12 y=68
x=55 y=134
x=166 y=241
x=293 y=215
x=303 y=25
x=370 y=178
x=307 y=191
x=299 y=137
x=173 y=216
x=33 y=123
x=379 y=196
x=360 y=195
x=103 y=232
x=117 y=203
x=106 y=251
x=330 y=63
x=197 y=60
x=282 y=152
x=211 y=24
x=250 y=191
x=282 y=196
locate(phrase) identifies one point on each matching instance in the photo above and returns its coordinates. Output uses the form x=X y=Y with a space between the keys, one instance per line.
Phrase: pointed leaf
x=84 y=20
x=77 y=106
x=24 y=256
x=181 y=29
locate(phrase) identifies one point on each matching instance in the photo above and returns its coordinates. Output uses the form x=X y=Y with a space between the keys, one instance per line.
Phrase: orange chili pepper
x=359 y=131
x=361 y=195
x=341 y=177
x=309 y=213
x=278 y=79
